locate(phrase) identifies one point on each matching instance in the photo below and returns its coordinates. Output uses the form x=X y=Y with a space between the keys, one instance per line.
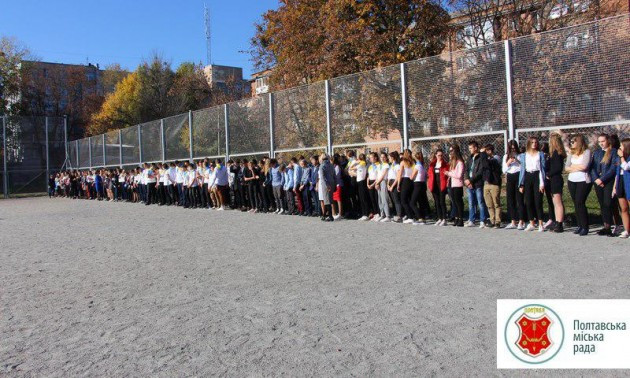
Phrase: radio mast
x=208 y=35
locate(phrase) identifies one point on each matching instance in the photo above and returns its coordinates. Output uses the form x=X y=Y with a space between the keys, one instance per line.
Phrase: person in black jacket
x=554 y=183
x=491 y=173
x=473 y=179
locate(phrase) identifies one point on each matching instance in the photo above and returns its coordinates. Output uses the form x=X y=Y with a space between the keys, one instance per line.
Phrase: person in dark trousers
x=532 y=182
x=579 y=181
x=314 y=177
x=603 y=171
x=305 y=188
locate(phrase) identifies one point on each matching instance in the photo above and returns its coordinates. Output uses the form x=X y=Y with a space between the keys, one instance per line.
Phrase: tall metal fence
x=32 y=148
x=568 y=80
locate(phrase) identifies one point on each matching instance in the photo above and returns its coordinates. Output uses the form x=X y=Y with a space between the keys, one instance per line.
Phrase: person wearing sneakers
x=381 y=187
x=622 y=186
x=373 y=171
x=474 y=182
x=456 y=182
x=532 y=182
x=437 y=181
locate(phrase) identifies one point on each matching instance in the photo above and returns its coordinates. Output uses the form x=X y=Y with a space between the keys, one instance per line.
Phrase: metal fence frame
x=504 y=125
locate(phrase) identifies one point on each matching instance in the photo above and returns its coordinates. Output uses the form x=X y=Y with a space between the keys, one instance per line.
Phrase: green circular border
x=508 y=345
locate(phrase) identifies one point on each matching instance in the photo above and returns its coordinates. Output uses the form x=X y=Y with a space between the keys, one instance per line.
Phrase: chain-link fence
x=32 y=149
x=575 y=78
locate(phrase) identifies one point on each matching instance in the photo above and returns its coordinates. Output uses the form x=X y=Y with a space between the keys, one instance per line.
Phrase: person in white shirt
x=372 y=173
x=532 y=182
x=381 y=186
x=359 y=171
x=393 y=184
x=579 y=181
x=151 y=179
x=512 y=169
x=222 y=184
x=180 y=182
x=192 y=183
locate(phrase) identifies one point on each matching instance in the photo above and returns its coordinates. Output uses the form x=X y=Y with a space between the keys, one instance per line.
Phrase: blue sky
x=125 y=32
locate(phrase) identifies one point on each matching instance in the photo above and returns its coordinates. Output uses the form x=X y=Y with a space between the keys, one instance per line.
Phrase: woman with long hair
x=381 y=186
x=373 y=170
x=359 y=170
x=437 y=181
x=393 y=184
x=557 y=156
x=532 y=182
x=603 y=171
x=405 y=187
x=622 y=186
x=337 y=205
x=512 y=170
x=579 y=181
x=456 y=181
x=419 y=195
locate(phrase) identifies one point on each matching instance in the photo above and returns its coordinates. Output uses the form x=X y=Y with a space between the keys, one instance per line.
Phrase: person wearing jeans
x=474 y=184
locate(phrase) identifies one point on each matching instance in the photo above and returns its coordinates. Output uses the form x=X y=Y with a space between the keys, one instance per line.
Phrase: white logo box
x=581 y=334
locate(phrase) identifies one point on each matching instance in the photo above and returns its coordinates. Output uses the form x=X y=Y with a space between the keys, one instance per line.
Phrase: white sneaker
x=363 y=218
x=335 y=217
x=438 y=222
x=385 y=220
x=521 y=227
x=541 y=229
x=221 y=208
x=482 y=225
x=510 y=226
x=444 y=222
x=547 y=224
x=421 y=221
x=416 y=223
x=530 y=227
x=408 y=221
x=405 y=218
x=376 y=218
x=470 y=224
x=624 y=235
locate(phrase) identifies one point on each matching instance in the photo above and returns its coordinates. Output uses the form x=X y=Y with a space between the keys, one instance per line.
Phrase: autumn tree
x=310 y=40
x=11 y=55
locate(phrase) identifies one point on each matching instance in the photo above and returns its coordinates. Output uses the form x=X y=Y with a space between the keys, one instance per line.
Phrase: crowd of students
x=390 y=187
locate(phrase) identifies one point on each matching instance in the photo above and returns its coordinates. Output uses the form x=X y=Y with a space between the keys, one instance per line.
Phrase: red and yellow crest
x=534 y=336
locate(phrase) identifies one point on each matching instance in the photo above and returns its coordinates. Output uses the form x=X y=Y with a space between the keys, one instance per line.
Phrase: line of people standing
x=393 y=187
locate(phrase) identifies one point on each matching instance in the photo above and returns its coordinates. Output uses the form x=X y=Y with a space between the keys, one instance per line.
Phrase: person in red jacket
x=437 y=182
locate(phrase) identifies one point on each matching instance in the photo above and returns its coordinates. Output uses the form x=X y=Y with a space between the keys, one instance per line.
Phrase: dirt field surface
x=116 y=289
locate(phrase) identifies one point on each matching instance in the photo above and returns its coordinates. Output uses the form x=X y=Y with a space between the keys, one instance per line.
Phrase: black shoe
x=604 y=232
x=584 y=232
x=578 y=230
x=460 y=223
x=559 y=228
x=329 y=219
x=497 y=225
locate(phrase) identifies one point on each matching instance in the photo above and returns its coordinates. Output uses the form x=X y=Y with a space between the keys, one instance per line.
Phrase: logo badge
x=534 y=333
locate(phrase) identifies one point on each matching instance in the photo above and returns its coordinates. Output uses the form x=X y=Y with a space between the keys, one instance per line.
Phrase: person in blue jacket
x=603 y=171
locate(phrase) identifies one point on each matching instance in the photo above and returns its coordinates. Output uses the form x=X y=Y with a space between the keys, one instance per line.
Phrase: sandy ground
x=95 y=288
